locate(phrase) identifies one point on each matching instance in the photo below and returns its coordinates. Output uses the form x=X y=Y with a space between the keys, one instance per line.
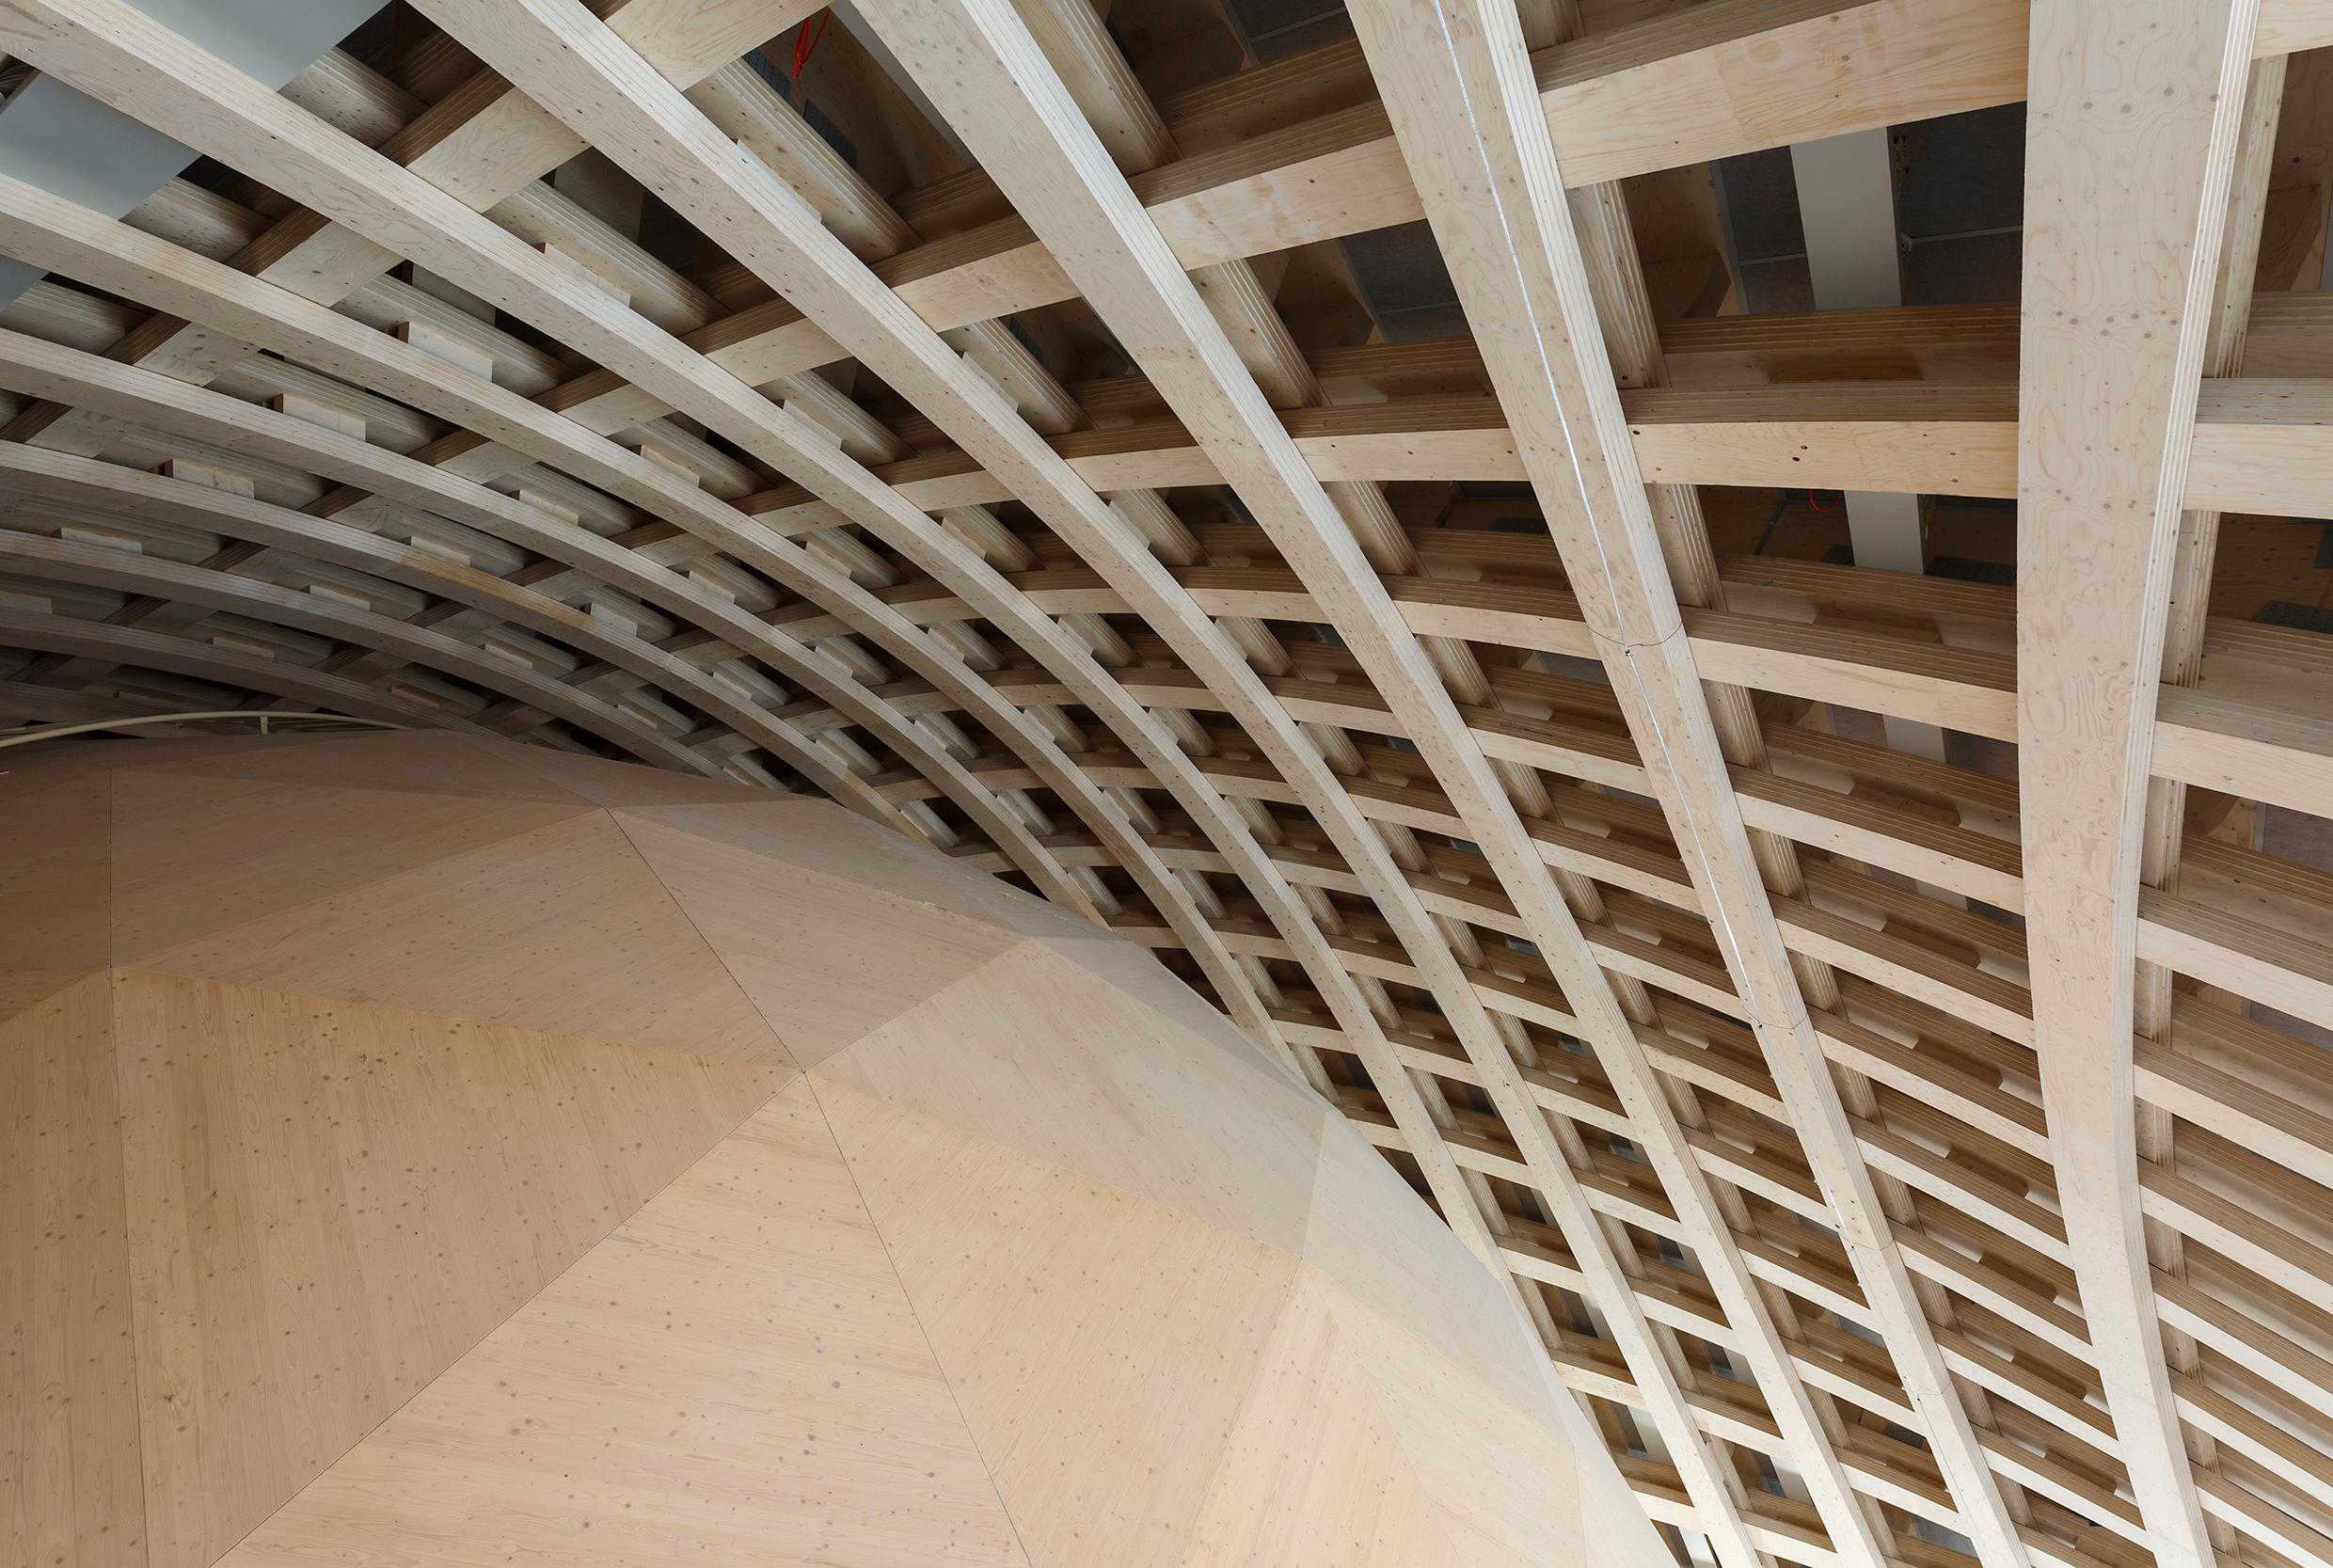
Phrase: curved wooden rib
x=29 y=365
x=322 y=337
x=586 y=317
x=2102 y=480
x=1370 y=847
x=981 y=66
x=60 y=634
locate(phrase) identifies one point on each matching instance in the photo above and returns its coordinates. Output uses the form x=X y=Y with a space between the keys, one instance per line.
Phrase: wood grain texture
x=1036 y=1267
x=74 y=1488
x=2129 y=148
x=734 y=1375
x=419 y=407
x=337 y=1201
x=510 y=910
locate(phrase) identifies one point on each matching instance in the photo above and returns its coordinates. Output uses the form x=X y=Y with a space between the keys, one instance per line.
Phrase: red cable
x=805 y=41
x=1817 y=505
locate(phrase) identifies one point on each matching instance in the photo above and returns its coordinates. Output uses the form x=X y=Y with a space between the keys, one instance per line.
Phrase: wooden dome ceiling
x=1318 y=497
x=439 y=1151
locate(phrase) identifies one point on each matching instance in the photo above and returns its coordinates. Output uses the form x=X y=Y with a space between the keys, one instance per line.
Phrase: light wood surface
x=734 y=1373
x=75 y=1484
x=335 y=1203
x=796 y=1193
x=1013 y=440
x=2119 y=268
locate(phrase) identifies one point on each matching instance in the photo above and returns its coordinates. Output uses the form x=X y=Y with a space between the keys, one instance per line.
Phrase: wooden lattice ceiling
x=1497 y=727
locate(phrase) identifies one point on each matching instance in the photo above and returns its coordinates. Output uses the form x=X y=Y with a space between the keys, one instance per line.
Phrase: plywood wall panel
x=1313 y=1475
x=1412 y=1277
x=407 y=762
x=732 y=1378
x=70 y=1495
x=416 y=1171
x=56 y=847
x=332 y=1202
x=1101 y=1346
x=1134 y=975
x=1491 y=1465
x=822 y=836
x=1130 y=1098
x=825 y=960
x=522 y=912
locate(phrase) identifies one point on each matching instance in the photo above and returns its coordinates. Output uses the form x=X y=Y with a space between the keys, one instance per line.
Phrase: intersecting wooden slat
x=317 y=330
x=998 y=429
x=1474 y=144
x=1784 y=1111
x=980 y=67
x=582 y=313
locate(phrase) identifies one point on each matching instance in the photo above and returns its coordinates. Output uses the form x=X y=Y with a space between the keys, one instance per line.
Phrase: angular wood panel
x=333 y=1202
x=733 y=1377
x=831 y=960
x=1101 y=1346
x=1021 y=433
x=1022 y=1274
x=507 y=910
x=69 y=1454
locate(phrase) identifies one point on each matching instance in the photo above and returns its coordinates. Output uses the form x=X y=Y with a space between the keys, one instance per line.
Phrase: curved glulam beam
x=43 y=369
x=106 y=48
x=332 y=263
x=97 y=566
x=2083 y=1423
x=1952 y=1121
x=761 y=223
x=978 y=63
x=1559 y=855
x=489 y=136
x=131 y=495
x=2130 y=147
x=184 y=655
x=1440 y=824
x=751 y=210
x=2086 y=1424
x=1957 y=987
x=1891 y=60
x=1481 y=151
x=203 y=290
x=2239 y=742
x=198 y=290
x=153 y=498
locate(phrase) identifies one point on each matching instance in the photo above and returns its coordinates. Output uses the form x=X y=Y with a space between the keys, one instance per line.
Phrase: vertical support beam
x=2131 y=138
x=1847 y=210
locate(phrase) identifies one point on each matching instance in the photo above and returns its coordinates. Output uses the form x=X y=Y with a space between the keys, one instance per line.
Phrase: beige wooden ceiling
x=1907 y=1157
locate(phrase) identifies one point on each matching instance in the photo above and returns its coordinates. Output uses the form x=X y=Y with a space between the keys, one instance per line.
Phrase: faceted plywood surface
x=585 y=1166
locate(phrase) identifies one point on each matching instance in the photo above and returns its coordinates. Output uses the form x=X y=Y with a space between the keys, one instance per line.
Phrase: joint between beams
x=1624 y=647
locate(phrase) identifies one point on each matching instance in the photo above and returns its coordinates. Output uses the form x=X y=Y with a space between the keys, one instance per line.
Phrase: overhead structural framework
x=1710 y=618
